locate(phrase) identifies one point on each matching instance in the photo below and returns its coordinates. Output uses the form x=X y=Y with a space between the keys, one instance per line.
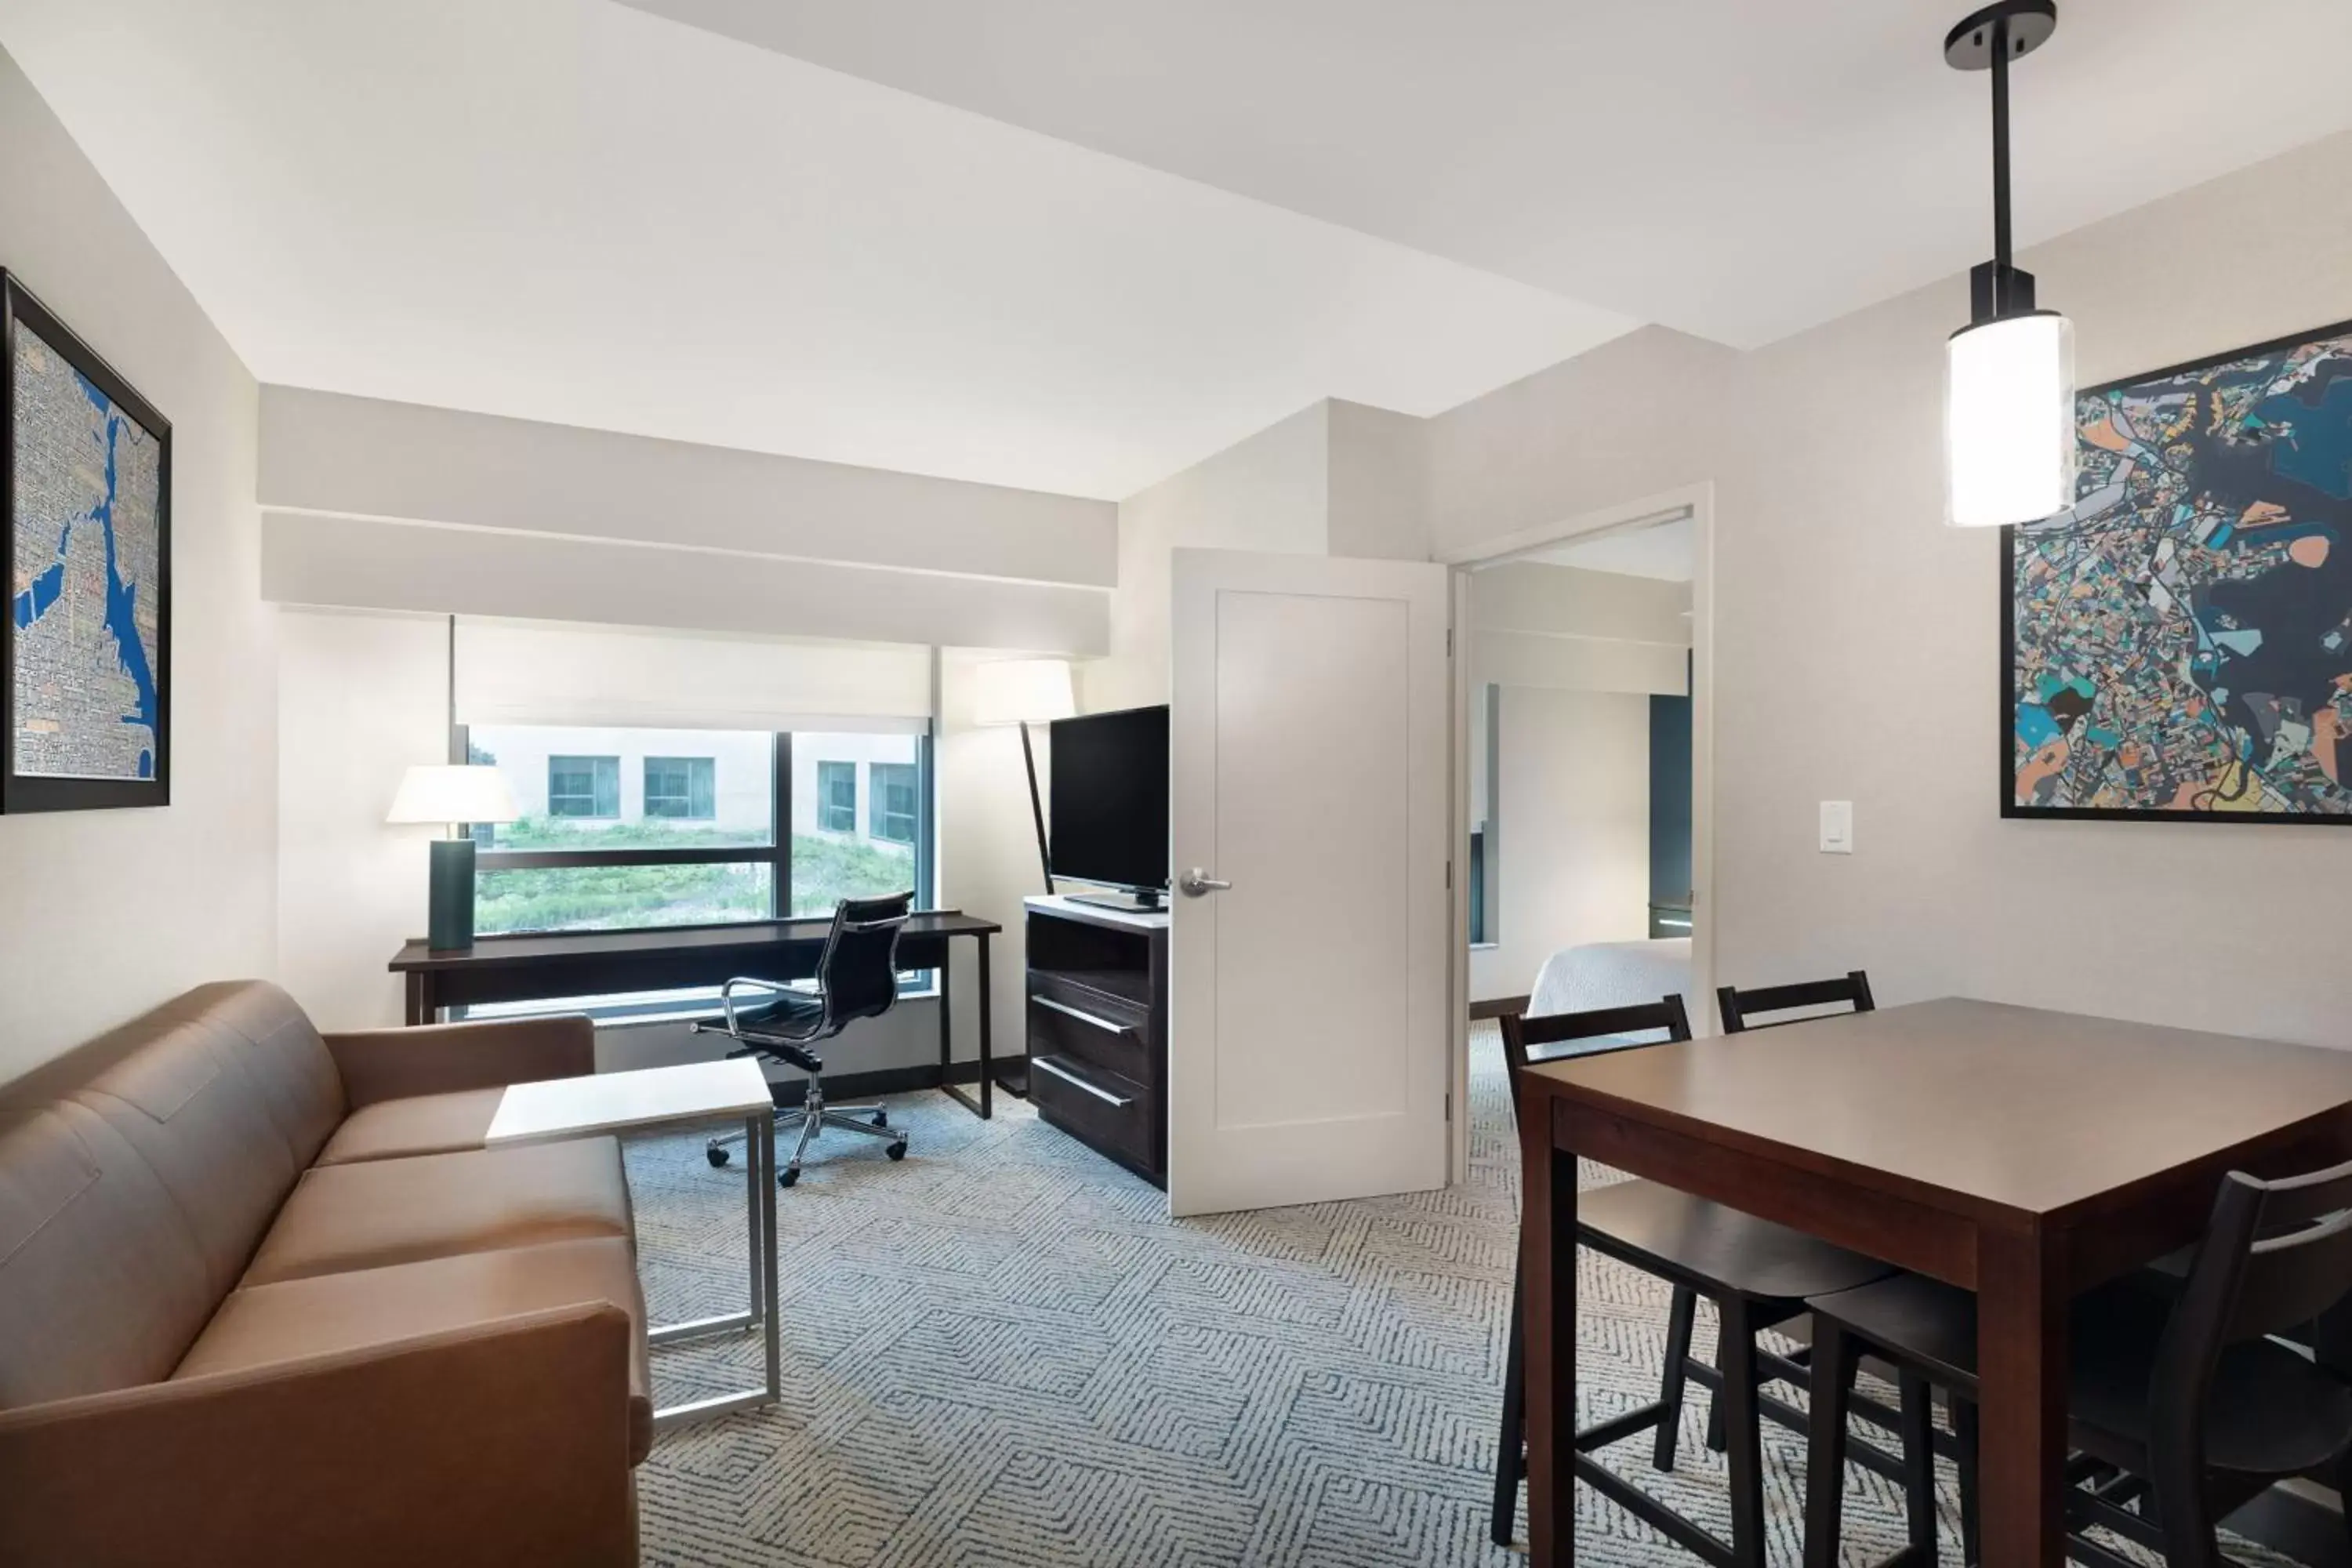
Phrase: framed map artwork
x=86 y=516
x=2177 y=646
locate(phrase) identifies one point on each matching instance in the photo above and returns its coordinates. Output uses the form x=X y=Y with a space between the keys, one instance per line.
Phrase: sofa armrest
x=505 y=1442
x=439 y=1059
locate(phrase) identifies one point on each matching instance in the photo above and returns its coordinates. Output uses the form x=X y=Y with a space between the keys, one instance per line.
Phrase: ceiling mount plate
x=1969 y=47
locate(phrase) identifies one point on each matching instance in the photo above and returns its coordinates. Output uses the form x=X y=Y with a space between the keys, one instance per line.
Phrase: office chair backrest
x=1739 y=1008
x=1521 y=1035
x=859 y=967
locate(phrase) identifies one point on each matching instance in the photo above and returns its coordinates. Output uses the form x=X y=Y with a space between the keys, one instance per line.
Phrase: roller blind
x=539 y=672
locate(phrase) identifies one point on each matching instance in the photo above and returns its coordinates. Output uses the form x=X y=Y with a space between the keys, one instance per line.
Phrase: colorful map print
x=2182 y=637
x=84 y=595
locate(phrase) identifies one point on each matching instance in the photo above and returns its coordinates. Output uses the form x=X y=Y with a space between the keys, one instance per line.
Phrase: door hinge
x=1449 y=876
x=1449 y=1105
x=1449 y=642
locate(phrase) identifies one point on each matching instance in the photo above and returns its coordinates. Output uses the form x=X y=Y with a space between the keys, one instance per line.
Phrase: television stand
x=1147 y=902
x=1098 y=1028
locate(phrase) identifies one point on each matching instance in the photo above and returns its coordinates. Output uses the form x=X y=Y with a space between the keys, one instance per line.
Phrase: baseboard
x=1494 y=1008
x=791 y=1091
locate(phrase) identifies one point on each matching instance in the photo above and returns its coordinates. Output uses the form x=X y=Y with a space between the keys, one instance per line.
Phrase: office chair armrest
x=727 y=995
x=441 y=1059
x=501 y=1442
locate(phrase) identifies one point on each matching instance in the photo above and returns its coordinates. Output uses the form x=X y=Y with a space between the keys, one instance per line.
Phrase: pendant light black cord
x=2000 y=233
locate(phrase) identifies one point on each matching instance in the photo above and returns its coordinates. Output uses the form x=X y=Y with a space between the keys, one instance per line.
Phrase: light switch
x=1837 y=828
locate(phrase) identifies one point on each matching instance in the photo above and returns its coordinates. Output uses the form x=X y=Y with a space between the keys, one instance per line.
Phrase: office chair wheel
x=881 y=1119
x=716 y=1155
x=896 y=1151
x=790 y=1175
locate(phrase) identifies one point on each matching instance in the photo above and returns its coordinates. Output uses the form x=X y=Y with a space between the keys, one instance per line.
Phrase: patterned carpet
x=1002 y=1355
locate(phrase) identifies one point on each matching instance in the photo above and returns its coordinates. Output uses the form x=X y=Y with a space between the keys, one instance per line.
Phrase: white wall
x=322 y=452
x=104 y=913
x=1574 y=804
x=360 y=698
x=1858 y=659
x=1271 y=492
x=392 y=506
x=371 y=563
x=1634 y=417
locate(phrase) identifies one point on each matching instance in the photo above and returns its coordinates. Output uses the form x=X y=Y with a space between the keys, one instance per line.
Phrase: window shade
x=512 y=672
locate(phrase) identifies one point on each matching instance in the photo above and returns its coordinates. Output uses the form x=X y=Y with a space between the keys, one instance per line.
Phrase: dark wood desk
x=602 y=963
x=2024 y=1155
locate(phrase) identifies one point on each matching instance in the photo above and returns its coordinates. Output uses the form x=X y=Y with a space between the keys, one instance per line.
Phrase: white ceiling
x=1734 y=168
x=1662 y=550
x=1077 y=245
x=573 y=211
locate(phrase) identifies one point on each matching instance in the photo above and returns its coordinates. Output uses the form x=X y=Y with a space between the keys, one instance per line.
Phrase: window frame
x=709 y=766
x=828 y=773
x=777 y=855
x=596 y=763
x=880 y=778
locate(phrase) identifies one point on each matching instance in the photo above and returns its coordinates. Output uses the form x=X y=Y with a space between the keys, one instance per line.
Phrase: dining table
x=2022 y=1153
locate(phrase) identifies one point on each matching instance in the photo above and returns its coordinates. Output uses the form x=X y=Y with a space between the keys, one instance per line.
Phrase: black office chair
x=857 y=977
x=1754 y=1271
x=2181 y=1408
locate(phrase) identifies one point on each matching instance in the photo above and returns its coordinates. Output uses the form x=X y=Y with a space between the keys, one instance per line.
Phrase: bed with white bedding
x=1612 y=975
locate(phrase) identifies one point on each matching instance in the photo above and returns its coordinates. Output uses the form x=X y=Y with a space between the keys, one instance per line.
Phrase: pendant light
x=2009 y=401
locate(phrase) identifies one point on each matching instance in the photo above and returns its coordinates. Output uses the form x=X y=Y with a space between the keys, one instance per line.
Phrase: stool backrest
x=2276 y=1257
x=859 y=967
x=1522 y=1034
x=1739 y=1008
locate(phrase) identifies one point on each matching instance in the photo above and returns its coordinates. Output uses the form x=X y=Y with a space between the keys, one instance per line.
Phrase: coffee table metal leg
x=760 y=1205
x=760 y=1163
x=772 y=1317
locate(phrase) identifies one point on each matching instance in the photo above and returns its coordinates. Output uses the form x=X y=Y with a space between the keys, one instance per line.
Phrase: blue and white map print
x=85 y=582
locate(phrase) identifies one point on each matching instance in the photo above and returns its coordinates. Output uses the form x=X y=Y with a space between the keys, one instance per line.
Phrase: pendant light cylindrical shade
x=2009 y=421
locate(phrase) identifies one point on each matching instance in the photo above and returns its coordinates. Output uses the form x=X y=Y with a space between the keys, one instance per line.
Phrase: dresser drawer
x=1078 y=1025
x=1104 y=1110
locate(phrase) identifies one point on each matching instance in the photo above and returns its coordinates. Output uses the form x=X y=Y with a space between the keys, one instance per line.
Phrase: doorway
x=1583 y=762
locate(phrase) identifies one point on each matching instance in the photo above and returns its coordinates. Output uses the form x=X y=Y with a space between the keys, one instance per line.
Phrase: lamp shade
x=1023 y=691
x=448 y=793
x=2009 y=421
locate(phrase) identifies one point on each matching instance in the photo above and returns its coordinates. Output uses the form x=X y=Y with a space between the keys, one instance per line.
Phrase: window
x=831 y=860
x=892 y=787
x=682 y=787
x=623 y=828
x=583 y=786
x=837 y=797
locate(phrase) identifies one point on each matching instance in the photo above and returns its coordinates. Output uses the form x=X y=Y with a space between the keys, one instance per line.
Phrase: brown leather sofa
x=264 y=1299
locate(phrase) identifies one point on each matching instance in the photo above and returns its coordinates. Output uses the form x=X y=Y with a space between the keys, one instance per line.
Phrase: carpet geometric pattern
x=1002 y=1353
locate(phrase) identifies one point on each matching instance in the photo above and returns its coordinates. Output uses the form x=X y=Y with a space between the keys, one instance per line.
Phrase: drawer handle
x=1047 y=1064
x=1069 y=1011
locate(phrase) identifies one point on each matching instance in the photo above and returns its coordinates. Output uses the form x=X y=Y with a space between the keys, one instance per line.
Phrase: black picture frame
x=21 y=312
x=2010 y=809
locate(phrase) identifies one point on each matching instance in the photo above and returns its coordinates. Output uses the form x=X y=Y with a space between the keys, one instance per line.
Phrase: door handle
x=1195 y=882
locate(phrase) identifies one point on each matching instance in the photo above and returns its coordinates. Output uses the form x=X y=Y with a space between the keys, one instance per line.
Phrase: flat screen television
x=1109 y=802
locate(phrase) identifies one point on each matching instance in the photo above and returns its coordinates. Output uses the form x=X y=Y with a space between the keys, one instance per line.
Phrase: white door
x=1307 y=1050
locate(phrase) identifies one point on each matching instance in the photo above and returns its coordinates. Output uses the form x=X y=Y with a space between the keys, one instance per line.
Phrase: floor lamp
x=1025 y=692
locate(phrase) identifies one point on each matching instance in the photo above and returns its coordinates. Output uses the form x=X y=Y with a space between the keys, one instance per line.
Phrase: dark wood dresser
x=1097 y=1028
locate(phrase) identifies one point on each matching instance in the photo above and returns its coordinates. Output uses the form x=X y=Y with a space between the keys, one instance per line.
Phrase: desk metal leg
x=759 y=1175
x=987 y=1067
x=981 y=1107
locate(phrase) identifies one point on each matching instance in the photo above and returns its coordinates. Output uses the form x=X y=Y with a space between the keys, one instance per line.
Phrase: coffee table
x=695 y=1094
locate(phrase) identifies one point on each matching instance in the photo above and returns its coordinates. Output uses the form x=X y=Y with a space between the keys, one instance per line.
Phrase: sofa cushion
x=101 y=1286
x=419 y=1124
x=375 y=1213
x=331 y=1312
x=281 y=1051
